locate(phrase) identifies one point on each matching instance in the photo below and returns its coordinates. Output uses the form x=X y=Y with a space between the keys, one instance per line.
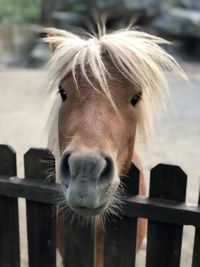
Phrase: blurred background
x=21 y=21
x=25 y=102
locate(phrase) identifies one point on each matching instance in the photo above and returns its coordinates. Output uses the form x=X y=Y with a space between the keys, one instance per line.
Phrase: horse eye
x=62 y=93
x=136 y=98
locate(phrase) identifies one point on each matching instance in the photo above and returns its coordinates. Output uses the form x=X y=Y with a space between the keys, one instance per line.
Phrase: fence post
x=163 y=239
x=9 y=221
x=121 y=233
x=78 y=243
x=41 y=217
x=196 y=249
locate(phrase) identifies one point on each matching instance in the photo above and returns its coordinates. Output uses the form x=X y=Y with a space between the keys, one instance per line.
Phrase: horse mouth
x=84 y=211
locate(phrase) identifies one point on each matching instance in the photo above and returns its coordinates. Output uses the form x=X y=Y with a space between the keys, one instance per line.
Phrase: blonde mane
x=137 y=55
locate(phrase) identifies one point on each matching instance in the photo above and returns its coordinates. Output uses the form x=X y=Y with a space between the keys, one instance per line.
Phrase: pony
x=107 y=84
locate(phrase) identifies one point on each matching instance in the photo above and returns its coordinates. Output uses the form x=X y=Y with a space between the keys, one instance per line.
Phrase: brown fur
x=90 y=123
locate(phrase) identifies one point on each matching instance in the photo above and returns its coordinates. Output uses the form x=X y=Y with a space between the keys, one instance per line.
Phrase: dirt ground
x=25 y=105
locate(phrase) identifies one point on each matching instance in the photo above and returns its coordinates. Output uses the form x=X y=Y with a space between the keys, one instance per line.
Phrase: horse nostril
x=64 y=168
x=84 y=170
x=108 y=171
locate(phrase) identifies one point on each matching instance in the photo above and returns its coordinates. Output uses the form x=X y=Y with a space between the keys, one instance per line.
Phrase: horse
x=107 y=85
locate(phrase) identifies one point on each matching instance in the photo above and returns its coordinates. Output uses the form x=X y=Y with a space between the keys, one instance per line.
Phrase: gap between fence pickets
x=135 y=206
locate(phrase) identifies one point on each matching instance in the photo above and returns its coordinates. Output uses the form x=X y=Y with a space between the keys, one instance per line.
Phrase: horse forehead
x=118 y=86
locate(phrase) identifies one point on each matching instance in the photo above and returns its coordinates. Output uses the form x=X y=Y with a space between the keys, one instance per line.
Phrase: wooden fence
x=165 y=209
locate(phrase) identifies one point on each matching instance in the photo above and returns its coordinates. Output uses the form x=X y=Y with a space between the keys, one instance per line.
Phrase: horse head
x=105 y=85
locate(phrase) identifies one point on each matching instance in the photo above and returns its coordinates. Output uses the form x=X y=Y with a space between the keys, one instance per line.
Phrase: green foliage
x=12 y=11
x=78 y=7
x=31 y=13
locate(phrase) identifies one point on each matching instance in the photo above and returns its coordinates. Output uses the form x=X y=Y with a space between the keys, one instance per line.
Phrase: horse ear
x=46 y=37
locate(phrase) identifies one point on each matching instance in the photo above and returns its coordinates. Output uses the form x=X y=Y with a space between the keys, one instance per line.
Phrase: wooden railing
x=165 y=209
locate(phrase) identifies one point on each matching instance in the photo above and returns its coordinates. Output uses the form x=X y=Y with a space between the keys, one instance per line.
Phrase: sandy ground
x=24 y=108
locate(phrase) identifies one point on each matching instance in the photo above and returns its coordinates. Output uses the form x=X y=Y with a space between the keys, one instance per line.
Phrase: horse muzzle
x=86 y=180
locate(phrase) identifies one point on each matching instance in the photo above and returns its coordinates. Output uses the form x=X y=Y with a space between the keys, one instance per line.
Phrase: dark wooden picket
x=164 y=239
x=196 y=249
x=41 y=217
x=120 y=233
x=79 y=247
x=9 y=225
